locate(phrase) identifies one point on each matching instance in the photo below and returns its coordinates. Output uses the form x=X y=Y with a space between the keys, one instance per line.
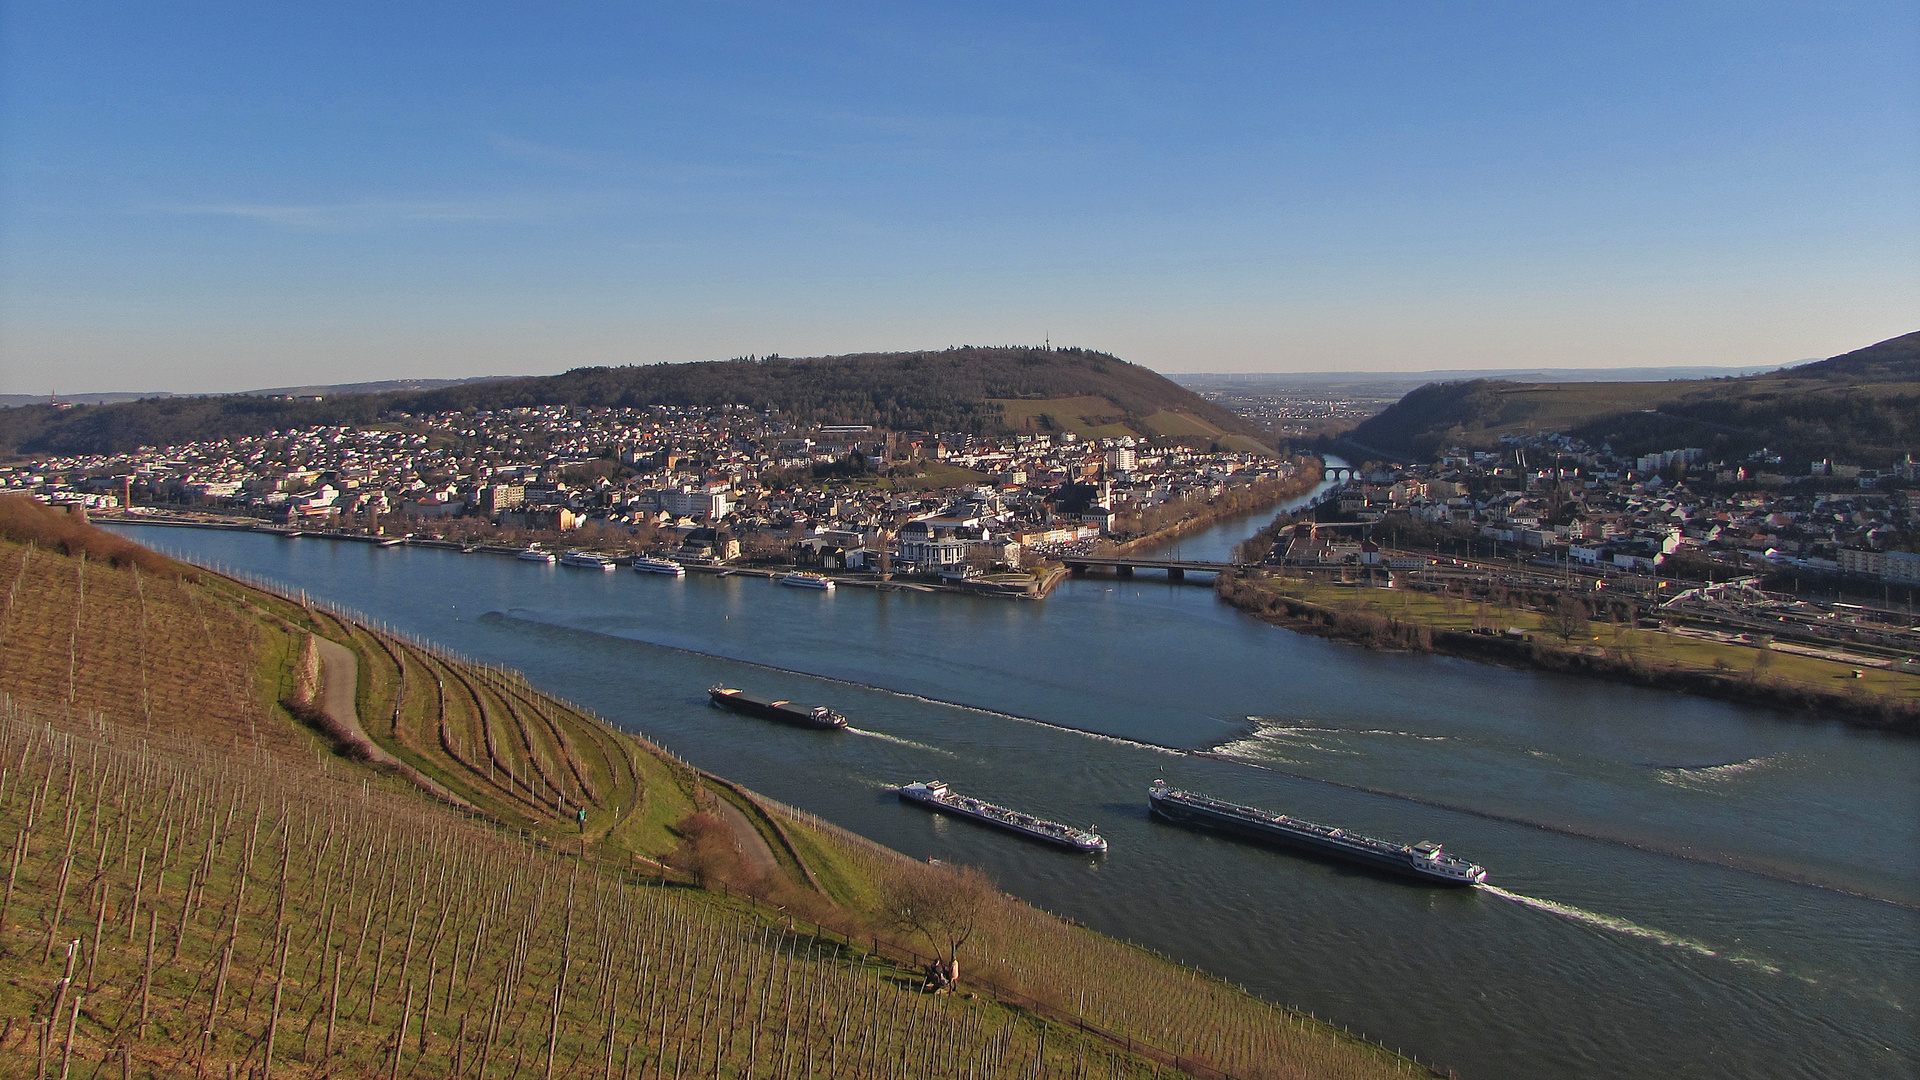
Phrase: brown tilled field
x=144 y=648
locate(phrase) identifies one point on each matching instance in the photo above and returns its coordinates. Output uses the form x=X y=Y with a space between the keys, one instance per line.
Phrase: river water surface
x=1679 y=887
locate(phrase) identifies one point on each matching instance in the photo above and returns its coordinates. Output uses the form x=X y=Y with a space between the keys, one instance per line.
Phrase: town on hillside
x=703 y=486
x=1818 y=557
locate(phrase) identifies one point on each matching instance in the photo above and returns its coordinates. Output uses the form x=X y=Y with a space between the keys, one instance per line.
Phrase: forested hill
x=975 y=390
x=1862 y=407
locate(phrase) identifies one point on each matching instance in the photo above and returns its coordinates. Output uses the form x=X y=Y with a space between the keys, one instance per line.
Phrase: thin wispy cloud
x=372 y=214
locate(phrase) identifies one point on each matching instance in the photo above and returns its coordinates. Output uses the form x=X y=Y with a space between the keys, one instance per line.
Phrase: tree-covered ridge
x=1863 y=406
x=947 y=390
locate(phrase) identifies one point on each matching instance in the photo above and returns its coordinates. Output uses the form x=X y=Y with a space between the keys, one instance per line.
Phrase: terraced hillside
x=199 y=879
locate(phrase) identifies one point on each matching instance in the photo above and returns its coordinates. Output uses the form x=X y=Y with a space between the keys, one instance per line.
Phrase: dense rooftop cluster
x=1580 y=504
x=728 y=478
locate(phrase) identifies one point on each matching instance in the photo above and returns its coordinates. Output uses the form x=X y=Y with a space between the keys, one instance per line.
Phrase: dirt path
x=339 y=686
x=753 y=847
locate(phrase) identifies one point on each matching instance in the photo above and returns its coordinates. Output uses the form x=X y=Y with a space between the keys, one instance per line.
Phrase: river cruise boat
x=647 y=564
x=935 y=795
x=535 y=555
x=800 y=579
x=1425 y=861
x=786 y=712
x=587 y=560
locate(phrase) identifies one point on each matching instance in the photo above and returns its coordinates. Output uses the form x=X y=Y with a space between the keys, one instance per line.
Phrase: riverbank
x=1259 y=496
x=1016 y=586
x=1384 y=618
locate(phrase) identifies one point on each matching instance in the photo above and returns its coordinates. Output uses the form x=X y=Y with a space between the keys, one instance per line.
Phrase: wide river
x=1679 y=887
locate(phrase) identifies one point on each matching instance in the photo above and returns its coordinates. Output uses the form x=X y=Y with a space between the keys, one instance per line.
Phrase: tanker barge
x=1425 y=861
x=786 y=712
x=935 y=795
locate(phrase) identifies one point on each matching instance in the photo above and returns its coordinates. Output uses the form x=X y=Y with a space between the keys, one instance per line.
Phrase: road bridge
x=1125 y=565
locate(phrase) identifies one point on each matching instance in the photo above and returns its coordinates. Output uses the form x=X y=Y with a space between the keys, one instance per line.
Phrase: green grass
x=847 y=880
x=1086 y=416
x=937 y=475
x=662 y=801
x=1170 y=423
x=1656 y=647
x=1244 y=444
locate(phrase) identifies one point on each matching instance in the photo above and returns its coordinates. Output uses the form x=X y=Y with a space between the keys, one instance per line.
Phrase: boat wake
x=520 y=615
x=1267 y=742
x=1732 y=861
x=1263 y=726
x=884 y=737
x=1263 y=737
x=1707 y=777
x=1279 y=764
x=1253 y=752
x=1630 y=929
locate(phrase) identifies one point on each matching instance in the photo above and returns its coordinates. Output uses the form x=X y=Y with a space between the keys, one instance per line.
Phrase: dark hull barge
x=786 y=712
x=1424 y=861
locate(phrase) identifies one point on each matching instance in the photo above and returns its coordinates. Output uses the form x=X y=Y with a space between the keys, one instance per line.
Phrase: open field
x=1410 y=617
x=244 y=894
x=1168 y=422
x=933 y=476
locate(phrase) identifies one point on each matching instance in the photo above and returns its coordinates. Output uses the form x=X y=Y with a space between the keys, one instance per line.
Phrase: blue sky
x=201 y=196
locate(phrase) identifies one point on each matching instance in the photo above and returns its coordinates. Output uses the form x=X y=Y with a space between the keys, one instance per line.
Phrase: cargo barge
x=1425 y=861
x=786 y=712
x=935 y=795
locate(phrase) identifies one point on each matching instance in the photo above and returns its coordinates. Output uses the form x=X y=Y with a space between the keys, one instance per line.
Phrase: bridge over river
x=1125 y=565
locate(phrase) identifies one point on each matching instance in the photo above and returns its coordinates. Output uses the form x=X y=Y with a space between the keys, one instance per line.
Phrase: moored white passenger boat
x=586 y=559
x=800 y=579
x=535 y=555
x=647 y=564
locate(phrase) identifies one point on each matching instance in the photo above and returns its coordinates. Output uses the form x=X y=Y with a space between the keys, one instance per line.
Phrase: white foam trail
x=1622 y=926
x=524 y=616
x=1016 y=717
x=1251 y=750
x=1681 y=776
x=1263 y=728
x=884 y=737
x=1293 y=738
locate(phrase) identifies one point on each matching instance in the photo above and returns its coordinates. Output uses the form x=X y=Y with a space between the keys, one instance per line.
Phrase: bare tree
x=707 y=852
x=941 y=904
x=1763 y=658
x=1569 y=618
